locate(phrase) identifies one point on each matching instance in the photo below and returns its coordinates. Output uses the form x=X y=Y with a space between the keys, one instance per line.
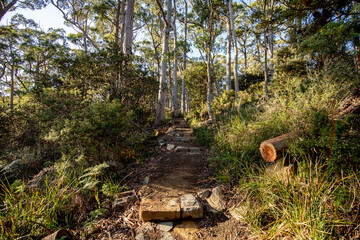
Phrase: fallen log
x=274 y=148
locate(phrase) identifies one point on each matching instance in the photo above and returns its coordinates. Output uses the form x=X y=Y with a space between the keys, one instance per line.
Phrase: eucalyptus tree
x=175 y=90
x=6 y=5
x=160 y=108
x=78 y=14
x=208 y=28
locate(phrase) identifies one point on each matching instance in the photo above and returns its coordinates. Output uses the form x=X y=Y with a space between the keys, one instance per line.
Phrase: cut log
x=274 y=148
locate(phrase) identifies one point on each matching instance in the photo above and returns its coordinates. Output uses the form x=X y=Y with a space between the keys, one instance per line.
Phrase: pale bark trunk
x=129 y=24
x=232 y=25
x=123 y=14
x=160 y=108
x=175 y=92
x=183 y=98
x=228 y=56
x=266 y=65
x=117 y=25
x=12 y=86
x=208 y=65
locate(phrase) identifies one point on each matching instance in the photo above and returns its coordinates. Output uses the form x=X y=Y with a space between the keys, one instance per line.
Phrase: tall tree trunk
x=129 y=25
x=266 y=65
x=123 y=14
x=12 y=86
x=183 y=98
x=228 y=56
x=117 y=25
x=160 y=108
x=231 y=18
x=208 y=71
x=175 y=91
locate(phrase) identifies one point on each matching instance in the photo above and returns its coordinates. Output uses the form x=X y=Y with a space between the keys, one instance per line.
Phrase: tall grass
x=307 y=206
x=321 y=201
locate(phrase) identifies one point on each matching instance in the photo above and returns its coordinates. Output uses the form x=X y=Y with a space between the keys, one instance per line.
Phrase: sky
x=48 y=17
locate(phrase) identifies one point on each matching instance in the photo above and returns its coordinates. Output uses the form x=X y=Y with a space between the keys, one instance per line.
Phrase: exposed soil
x=172 y=173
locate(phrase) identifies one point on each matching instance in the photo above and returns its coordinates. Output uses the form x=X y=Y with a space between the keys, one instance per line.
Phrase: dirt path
x=178 y=169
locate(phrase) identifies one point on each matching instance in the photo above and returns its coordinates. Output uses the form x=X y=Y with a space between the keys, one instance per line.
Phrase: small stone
x=215 y=200
x=204 y=194
x=140 y=236
x=170 y=131
x=191 y=207
x=165 y=226
x=146 y=180
x=167 y=236
x=239 y=213
x=186 y=230
x=146 y=227
x=161 y=142
x=170 y=147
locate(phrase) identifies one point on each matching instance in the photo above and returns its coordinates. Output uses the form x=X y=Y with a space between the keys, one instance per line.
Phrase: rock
x=123 y=199
x=170 y=147
x=146 y=227
x=146 y=180
x=159 y=209
x=165 y=226
x=140 y=236
x=167 y=236
x=161 y=142
x=204 y=194
x=216 y=200
x=190 y=207
x=170 y=132
x=186 y=230
x=239 y=213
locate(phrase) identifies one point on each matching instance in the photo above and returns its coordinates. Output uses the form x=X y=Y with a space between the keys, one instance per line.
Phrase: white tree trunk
x=232 y=25
x=183 y=97
x=175 y=92
x=209 y=92
x=129 y=24
x=266 y=65
x=228 y=56
x=160 y=108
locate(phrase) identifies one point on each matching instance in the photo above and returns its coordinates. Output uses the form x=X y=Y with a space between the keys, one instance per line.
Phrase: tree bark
x=274 y=148
x=232 y=25
x=129 y=25
x=175 y=92
x=183 y=98
x=123 y=14
x=160 y=108
x=266 y=66
x=5 y=8
x=228 y=55
x=209 y=92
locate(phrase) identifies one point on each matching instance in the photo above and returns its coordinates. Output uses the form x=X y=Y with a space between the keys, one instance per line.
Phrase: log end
x=268 y=152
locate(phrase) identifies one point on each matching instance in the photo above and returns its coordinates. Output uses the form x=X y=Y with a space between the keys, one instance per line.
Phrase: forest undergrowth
x=320 y=198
